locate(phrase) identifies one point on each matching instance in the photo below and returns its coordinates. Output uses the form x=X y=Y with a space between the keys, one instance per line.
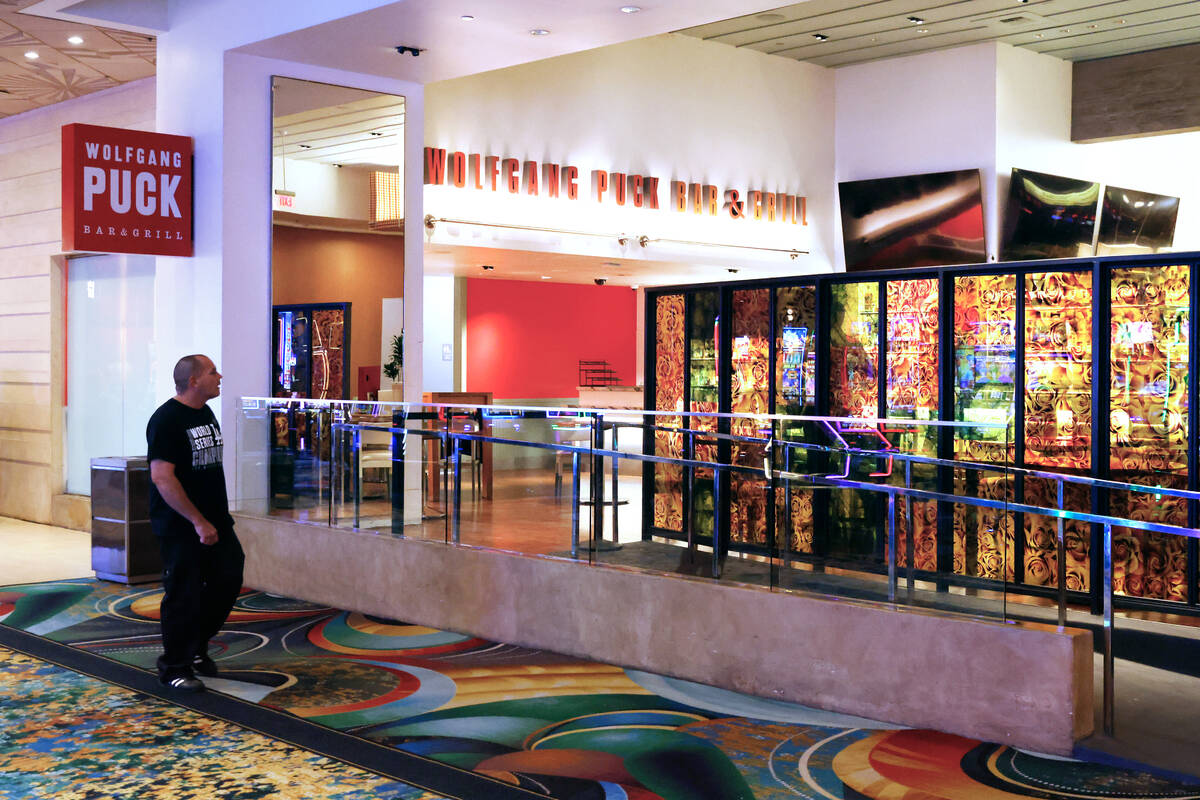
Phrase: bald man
x=189 y=511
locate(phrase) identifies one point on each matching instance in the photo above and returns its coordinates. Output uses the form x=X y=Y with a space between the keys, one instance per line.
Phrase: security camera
x=413 y=51
x=599 y=281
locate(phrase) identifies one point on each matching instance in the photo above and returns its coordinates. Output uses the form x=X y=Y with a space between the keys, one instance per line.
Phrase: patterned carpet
x=65 y=735
x=548 y=723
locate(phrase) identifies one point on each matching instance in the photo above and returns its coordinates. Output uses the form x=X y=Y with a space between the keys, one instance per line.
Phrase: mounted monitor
x=913 y=221
x=1135 y=222
x=1048 y=216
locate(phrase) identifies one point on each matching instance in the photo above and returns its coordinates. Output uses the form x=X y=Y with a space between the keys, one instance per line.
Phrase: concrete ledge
x=1025 y=685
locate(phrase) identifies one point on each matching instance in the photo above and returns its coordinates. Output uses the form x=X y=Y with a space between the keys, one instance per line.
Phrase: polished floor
x=461 y=700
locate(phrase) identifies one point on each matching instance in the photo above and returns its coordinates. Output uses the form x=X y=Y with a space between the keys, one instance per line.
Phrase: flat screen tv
x=1048 y=216
x=913 y=221
x=1135 y=222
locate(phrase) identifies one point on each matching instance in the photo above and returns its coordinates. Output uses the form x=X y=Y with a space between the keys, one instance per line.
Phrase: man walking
x=189 y=511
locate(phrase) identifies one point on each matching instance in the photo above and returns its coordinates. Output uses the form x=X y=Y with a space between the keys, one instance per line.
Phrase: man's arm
x=163 y=475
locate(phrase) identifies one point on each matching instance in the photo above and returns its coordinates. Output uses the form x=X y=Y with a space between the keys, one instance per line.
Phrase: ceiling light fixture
x=467 y=18
x=32 y=55
x=916 y=20
x=922 y=30
x=76 y=39
x=820 y=37
x=539 y=32
x=630 y=9
x=545 y=277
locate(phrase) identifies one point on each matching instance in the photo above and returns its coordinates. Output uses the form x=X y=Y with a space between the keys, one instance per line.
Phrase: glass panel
x=854 y=350
x=110 y=361
x=985 y=315
x=912 y=393
x=668 y=396
x=1058 y=370
x=1058 y=417
x=1148 y=418
x=795 y=393
x=703 y=397
x=855 y=516
x=749 y=395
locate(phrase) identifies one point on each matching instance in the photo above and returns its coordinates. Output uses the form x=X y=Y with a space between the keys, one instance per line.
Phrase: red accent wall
x=525 y=339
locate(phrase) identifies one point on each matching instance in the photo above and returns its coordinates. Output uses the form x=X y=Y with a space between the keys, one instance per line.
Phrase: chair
x=376 y=453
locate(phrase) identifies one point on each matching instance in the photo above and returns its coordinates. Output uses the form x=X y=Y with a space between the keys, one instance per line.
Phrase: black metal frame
x=1101 y=269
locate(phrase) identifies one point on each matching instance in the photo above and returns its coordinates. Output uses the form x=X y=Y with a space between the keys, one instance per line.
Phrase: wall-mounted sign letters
x=126 y=191
x=561 y=181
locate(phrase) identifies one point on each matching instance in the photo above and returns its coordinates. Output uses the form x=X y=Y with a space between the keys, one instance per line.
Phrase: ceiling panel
x=63 y=70
x=857 y=32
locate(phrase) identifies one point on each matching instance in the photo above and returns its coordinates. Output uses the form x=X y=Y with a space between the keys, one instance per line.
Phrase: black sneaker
x=205 y=666
x=183 y=683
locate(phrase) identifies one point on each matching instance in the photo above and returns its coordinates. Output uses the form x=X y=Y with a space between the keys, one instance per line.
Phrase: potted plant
x=393 y=368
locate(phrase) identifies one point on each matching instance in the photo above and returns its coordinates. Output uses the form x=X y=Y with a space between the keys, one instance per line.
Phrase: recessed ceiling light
x=545 y=277
x=1038 y=35
x=916 y=20
x=630 y=9
x=874 y=38
x=1064 y=30
x=467 y=18
x=1120 y=22
x=77 y=39
x=820 y=37
x=539 y=32
x=31 y=54
x=922 y=30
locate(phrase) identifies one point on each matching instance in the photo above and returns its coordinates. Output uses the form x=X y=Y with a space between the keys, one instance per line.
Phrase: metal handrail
x=454 y=440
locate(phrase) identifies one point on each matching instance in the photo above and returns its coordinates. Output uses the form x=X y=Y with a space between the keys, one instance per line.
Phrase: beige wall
x=317 y=266
x=31 y=296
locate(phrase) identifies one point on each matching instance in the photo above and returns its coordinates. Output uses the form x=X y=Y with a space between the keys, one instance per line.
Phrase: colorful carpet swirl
x=66 y=735
x=556 y=725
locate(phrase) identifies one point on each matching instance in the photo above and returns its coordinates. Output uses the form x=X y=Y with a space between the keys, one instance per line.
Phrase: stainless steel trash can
x=124 y=547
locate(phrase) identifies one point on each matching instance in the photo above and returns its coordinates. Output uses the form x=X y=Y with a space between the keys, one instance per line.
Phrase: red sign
x=126 y=191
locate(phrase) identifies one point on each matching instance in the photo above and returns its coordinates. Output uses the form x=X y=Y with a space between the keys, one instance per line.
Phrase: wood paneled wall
x=1143 y=94
x=31 y=296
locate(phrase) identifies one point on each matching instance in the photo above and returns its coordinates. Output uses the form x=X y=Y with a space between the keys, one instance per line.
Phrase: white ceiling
x=527 y=265
x=867 y=30
x=336 y=125
x=856 y=31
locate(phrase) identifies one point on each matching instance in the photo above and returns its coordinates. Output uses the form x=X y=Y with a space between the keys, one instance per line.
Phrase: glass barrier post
x=771 y=466
x=399 y=451
x=597 y=480
x=616 y=473
x=716 y=523
x=457 y=444
x=891 y=533
x=1109 y=691
x=575 y=504
x=337 y=490
x=1062 y=561
x=910 y=509
x=356 y=454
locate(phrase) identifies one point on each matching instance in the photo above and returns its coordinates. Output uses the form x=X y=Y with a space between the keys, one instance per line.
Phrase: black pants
x=200 y=585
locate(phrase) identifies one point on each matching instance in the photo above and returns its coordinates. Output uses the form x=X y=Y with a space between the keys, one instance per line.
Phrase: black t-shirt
x=189 y=438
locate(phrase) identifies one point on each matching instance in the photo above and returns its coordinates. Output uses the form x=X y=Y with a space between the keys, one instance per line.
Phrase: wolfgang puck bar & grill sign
x=126 y=191
x=514 y=176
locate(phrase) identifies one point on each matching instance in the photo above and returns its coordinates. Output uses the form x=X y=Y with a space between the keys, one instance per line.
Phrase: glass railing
x=867 y=510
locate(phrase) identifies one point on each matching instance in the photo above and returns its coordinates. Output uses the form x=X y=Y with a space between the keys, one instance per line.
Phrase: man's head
x=197 y=379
